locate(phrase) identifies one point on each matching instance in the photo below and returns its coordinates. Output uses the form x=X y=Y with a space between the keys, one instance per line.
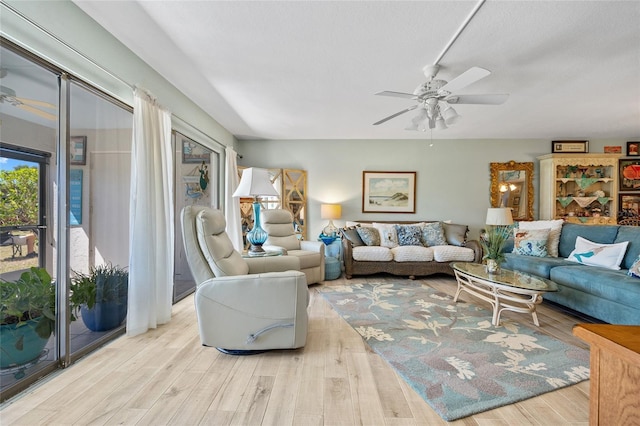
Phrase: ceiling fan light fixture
x=450 y=115
x=440 y=123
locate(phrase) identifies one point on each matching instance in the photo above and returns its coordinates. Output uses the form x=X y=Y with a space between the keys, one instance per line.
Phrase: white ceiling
x=309 y=69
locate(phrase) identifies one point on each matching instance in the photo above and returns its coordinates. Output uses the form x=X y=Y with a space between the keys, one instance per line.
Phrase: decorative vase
x=20 y=345
x=493 y=266
x=104 y=315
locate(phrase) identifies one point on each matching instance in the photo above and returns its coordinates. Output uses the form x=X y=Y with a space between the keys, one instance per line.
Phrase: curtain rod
x=96 y=64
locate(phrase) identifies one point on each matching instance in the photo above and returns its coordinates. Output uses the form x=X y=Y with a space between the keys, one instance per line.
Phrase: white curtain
x=151 y=226
x=232 y=205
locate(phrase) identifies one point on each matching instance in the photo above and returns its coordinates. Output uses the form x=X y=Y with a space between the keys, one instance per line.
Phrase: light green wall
x=112 y=68
x=452 y=175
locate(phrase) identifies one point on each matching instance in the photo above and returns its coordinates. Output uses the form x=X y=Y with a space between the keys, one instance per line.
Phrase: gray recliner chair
x=278 y=223
x=243 y=305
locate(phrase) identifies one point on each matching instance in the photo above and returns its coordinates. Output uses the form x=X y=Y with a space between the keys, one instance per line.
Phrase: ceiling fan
x=436 y=96
x=9 y=96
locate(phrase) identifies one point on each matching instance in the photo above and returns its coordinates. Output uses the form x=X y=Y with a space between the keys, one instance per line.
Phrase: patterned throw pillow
x=369 y=235
x=531 y=242
x=634 y=271
x=596 y=254
x=409 y=235
x=388 y=235
x=555 y=228
x=433 y=234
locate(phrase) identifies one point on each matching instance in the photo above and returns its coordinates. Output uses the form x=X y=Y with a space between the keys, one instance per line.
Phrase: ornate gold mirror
x=512 y=186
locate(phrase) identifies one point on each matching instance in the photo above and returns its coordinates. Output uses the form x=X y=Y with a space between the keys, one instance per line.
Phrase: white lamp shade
x=499 y=216
x=255 y=182
x=450 y=115
x=330 y=211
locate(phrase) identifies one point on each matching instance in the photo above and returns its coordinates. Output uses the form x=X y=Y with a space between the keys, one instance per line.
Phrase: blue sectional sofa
x=606 y=294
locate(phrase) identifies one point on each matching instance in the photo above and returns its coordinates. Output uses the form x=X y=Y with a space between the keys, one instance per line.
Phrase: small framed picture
x=193 y=152
x=78 y=150
x=629 y=175
x=629 y=207
x=388 y=192
x=570 y=147
x=616 y=149
x=633 y=149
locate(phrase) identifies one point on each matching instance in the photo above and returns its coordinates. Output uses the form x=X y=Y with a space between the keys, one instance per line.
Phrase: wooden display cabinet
x=580 y=188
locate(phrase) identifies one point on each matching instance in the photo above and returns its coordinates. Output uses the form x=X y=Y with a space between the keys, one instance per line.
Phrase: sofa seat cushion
x=308 y=259
x=412 y=254
x=539 y=266
x=453 y=254
x=604 y=283
x=372 y=254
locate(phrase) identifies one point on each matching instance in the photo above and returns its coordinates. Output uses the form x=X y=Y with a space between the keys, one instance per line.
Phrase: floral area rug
x=450 y=353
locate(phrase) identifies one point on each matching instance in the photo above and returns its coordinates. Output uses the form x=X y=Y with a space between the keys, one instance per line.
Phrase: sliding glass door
x=64 y=208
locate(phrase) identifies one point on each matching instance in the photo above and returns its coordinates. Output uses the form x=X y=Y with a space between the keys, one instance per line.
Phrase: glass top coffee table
x=506 y=290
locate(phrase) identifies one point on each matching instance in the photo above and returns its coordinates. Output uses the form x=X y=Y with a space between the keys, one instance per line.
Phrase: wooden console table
x=615 y=373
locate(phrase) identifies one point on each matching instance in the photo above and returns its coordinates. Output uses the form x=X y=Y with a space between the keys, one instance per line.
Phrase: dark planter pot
x=20 y=345
x=104 y=316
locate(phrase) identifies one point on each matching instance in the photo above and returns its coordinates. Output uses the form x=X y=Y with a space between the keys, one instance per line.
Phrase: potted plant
x=493 y=242
x=101 y=296
x=27 y=316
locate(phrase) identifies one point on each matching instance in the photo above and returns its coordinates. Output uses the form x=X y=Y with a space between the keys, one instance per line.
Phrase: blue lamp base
x=257 y=236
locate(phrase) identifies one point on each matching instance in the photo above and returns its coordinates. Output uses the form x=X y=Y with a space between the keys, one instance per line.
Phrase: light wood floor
x=166 y=377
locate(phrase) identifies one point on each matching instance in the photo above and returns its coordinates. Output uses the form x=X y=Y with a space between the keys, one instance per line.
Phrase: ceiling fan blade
x=397 y=94
x=466 y=78
x=36 y=111
x=35 y=102
x=395 y=115
x=493 y=99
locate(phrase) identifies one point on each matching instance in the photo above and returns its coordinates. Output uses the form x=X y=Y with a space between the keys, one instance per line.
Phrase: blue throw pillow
x=409 y=235
x=634 y=271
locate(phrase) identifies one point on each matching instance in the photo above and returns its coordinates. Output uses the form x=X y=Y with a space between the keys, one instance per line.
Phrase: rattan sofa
x=455 y=237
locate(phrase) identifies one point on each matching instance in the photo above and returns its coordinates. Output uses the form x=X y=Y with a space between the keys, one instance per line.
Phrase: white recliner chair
x=278 y=223
x=243 y=306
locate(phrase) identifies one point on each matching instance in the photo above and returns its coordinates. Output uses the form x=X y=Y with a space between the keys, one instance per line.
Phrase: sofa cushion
x=531 y=242
x=409 y=235
x=388 y=234
x=605 y=234
x=555 y=228
x=455 y=234
x=451 y=253
x=605 y=255
x=632 y=235
x=372 y=254
x=412 y=254
x=540 y=266
x=599 y=282
x=351 y=234
x=433 y=234
x=369 y=235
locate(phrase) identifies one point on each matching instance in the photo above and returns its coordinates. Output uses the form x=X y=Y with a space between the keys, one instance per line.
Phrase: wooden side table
x=615 y=373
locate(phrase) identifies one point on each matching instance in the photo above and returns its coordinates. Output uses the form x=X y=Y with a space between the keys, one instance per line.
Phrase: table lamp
x=254 y=183
x=330 y=211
